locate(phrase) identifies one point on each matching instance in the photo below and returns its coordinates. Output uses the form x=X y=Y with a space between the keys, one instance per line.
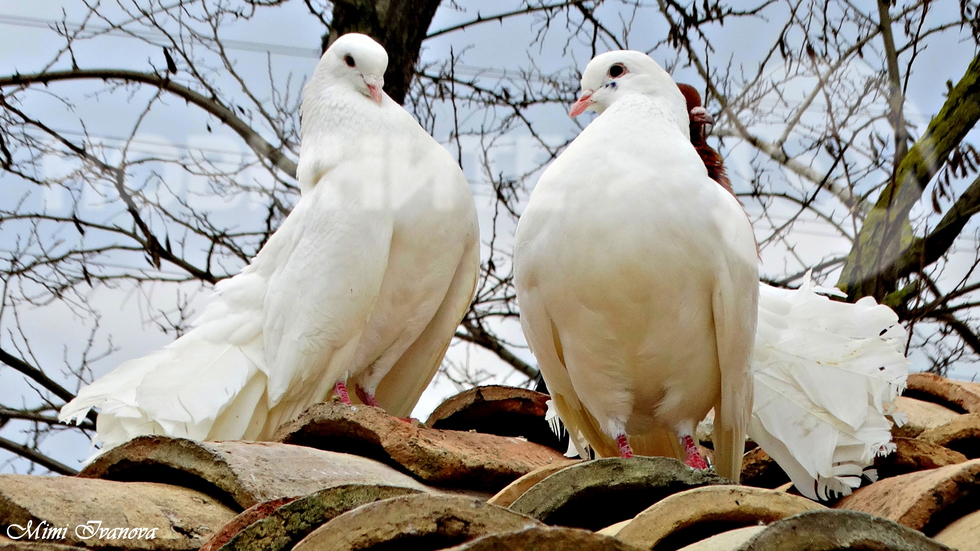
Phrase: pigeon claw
x=625 y=451
x=340 y=390
x=693 y=457
x=366 y=397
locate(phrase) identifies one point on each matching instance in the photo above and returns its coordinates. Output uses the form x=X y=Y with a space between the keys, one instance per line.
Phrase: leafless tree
x=813 y=118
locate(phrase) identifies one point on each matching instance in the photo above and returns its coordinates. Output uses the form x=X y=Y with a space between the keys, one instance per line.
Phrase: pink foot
x=340 y=390
x=625 y=451
x=693 y=459
x=366 y=397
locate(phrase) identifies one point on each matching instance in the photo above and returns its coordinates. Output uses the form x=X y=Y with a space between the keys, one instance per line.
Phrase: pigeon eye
x=349 y=60
x=617 y=70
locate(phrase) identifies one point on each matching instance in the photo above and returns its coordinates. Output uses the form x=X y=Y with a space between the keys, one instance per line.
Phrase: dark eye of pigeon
x=349 y=60
x=617 y=70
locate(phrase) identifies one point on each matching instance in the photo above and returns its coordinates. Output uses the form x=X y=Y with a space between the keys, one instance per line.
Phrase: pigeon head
x=359 y=61
x=617 y=74
x=699 y=115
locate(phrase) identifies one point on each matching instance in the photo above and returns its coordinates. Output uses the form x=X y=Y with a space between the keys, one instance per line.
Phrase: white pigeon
x=364 y=283
x=826 y=373
x=637 y=277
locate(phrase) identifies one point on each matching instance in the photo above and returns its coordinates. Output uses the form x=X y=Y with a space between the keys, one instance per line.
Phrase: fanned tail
x=209 y=384
x=825 y=375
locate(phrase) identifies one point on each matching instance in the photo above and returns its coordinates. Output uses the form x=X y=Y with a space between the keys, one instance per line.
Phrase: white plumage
x=637 y=276
x=825 y=374
x=364 y=282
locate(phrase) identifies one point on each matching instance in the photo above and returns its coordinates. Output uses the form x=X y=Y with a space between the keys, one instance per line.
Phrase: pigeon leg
x=366 y=397
x=625 y=451
x=693 y=457
x=340 y=390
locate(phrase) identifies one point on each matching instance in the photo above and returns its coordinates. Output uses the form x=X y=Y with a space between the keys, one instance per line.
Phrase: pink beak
x=582 y=104
x=375 y=93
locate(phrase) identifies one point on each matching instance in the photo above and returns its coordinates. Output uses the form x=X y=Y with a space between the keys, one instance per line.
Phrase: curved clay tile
x=242 y=473
x=545 y=538
x=922 y=500
x=254 y=513
x=693 y=515
x=500 y=410
x=961 y=434
x=423 y=521
x=171 y=518
x=830 y=530
x=595 y=494
x=725 y=541
x=956 y=395
x=962 y=533
x=914 y=454
x=921 y=415
x=515 y=489
x=290 y=523
x=466 y=460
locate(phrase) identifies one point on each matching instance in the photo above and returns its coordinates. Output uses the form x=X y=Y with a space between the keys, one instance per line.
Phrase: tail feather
x=825 y=375
x=197 y=387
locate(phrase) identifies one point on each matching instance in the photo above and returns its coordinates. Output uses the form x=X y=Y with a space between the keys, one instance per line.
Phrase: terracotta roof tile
x=692 y=515
x=7 y=544
x=395 y=492
x=917 y=500
x=289 y=524
x=244 y=473
x=921 y=416
x=962 y=434
x=624 y=487
x=730 y=540
x=956 y=395
x=515 y=489
x=914 y=454
x=500 y=410
x=422 y=521
x=963 y=533
x=440 y=457
x=134 y=515
x=839 y=531
x=545 y=538
x=251 y=515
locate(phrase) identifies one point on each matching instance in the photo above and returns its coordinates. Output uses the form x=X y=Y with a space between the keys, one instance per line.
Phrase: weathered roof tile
x=962 y=534
x=956 y=395
x=692 y=515
x=912 y=455
x=515 y=489
x=103 y=514
x=545 y=538
x=962 y=434
x=422 y=521
x=624 y=487
x=500 y=410
x=244 y=473
x=917 y=499
x=289 y=524
x=449 y=458
x=830 y=530
x=921 y=415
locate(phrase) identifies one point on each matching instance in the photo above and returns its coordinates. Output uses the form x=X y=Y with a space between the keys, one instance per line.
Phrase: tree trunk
x=398 y=25
x=880 y=254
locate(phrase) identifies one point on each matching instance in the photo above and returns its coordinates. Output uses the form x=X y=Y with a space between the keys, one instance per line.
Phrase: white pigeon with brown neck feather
x=637 y=276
